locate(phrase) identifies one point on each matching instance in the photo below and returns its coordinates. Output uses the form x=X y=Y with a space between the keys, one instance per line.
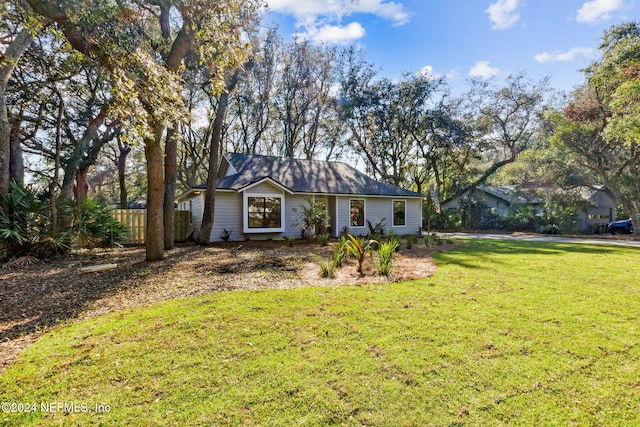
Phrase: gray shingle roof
x=305 y=176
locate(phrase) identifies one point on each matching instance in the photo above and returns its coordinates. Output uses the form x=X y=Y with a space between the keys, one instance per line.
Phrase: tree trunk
x=81 y=189
x=56 y=169
x=125 y=149
x=16 y=163
x=170 y=171
x=11 y=56
x=214 y=158
x=155 y=196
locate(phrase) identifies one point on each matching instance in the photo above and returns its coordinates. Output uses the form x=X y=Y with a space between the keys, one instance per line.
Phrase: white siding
x=196 y=206
x=376 y=209
x=228 y=215
x=291 y=202
x=263 y=188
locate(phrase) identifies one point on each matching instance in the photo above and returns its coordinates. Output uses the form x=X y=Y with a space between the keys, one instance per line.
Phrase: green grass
x=506 y=333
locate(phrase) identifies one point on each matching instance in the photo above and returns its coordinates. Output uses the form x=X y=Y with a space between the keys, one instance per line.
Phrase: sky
x=459 y=39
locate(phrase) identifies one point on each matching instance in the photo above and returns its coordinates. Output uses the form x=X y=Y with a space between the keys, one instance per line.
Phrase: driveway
x=544 y=238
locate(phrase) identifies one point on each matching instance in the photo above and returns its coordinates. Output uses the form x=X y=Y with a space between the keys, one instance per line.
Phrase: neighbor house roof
x=303 y=176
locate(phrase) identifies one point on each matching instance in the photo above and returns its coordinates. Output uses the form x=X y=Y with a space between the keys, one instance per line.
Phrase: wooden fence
x=135 y=222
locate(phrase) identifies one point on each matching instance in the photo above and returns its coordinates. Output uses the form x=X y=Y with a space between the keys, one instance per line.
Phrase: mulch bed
x=36 y=297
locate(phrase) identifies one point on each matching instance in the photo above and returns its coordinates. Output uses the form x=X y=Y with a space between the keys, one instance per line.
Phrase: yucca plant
x=327 y=269
x=359 y=247
x=323 y=239
x=340 y=252
x=386 y=253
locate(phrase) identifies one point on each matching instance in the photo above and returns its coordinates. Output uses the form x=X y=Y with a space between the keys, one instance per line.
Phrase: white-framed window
x=399 y=213
x=357 y=212
x=263 y=213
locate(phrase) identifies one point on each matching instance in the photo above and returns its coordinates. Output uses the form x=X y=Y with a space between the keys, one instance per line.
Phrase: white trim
x=245 y=213
x=301 y=193
x=364 y=214
x=263 y=180
x=393 y=213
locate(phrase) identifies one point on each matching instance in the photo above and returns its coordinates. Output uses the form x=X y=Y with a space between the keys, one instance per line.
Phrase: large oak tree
x=144 y=45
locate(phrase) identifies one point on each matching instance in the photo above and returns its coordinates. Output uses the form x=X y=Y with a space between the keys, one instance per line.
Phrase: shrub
x=340 y=252
x=313 y=219
x=327 y=269
x=92 y=224
x=291 y=241
x=359 y=247
x=411 y=240
x=377 y=229
x=323 y=239
x=226 y=235
x=25 y=226
x=427 y=241
x=386 y=253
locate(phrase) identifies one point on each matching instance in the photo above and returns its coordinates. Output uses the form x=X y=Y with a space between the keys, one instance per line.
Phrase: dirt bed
x=37 y=297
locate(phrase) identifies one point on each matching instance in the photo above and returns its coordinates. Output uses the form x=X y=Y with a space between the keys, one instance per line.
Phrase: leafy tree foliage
x=598 y=127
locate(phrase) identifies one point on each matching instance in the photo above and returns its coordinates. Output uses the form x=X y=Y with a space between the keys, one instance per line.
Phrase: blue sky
x=462 y=38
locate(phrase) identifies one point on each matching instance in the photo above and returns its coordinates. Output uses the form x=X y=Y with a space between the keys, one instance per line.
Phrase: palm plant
x=359 y=247
x=386 y=253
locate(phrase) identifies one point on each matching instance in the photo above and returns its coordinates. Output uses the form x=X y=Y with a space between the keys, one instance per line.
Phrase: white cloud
x=484 y=70
x=427 y=72
x=563 y=56
x=598 y=10
x=337 y=34
x=503 y=14
x=321 y=19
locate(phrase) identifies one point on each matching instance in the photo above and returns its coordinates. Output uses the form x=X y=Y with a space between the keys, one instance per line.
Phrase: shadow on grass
x=479 y=253
x=45 y=294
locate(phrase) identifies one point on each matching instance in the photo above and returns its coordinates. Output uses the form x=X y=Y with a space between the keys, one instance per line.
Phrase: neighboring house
x=600 y=204
x=601 y=209
x=256 y=195
x=498 y=199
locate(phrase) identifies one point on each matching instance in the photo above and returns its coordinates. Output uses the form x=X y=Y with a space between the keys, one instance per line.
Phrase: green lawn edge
x=505 y=333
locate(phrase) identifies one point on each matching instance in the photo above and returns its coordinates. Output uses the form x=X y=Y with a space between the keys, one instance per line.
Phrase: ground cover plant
x=505 y=333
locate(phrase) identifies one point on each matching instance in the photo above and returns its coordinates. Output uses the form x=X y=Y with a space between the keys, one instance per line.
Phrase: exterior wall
x=376 y=209
x=291 y=217
x=195 y=205
x=228 y=215
x=597 y=217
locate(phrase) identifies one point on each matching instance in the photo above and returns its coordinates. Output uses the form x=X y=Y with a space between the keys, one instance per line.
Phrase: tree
x=505 y=120
x=600 y=124
x=18 y=39
x=144 y=45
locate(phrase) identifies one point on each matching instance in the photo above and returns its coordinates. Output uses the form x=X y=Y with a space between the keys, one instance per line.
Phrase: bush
x=323 y=239
x=359 y=247
x=25 y=226
x=340 y=253
x=327 y=269
x=92 y=224
x=386 y=253
x=411 y=240
x=548 y=229
x=313 y=218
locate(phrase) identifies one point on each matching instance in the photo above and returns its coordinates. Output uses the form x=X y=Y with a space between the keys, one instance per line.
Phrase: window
x=399 y=213
x=264 y=212
x=356 y=218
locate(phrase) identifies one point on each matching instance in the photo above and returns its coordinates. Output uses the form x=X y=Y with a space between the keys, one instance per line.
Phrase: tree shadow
x=483 y=251
x=42 y=295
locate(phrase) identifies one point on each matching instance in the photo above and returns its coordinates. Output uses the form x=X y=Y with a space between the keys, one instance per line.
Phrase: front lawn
x=505 y=333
